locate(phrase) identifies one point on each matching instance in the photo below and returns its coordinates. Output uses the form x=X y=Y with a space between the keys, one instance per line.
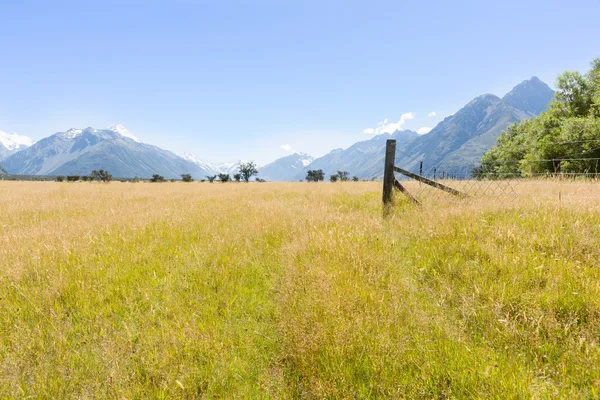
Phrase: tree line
x=318 y=175
x=563 y=139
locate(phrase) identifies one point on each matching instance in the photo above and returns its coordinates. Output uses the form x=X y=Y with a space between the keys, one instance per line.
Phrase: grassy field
x=199 y=290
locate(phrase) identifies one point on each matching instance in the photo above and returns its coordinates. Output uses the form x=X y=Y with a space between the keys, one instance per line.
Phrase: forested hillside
x=564 y=138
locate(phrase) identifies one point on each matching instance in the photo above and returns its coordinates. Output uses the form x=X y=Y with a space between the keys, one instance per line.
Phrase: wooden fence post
x=388 y=175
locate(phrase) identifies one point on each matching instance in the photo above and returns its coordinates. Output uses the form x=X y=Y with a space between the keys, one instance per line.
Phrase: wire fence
x=554 y=185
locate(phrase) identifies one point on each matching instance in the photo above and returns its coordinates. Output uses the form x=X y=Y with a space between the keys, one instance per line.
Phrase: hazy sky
x=240 y=79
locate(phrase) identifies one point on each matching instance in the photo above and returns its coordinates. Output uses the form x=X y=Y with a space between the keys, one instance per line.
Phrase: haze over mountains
x=455 y=145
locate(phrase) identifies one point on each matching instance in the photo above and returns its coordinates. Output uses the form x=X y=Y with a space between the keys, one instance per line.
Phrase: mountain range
x=79 y=151
x=455 y=146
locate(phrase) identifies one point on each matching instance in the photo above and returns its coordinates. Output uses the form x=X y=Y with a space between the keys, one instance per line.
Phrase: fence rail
x=435 y=183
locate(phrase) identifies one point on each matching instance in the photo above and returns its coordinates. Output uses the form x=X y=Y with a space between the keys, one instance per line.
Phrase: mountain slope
x=531 y=96
x=457 y=143
x=454 y=146
x=11 y=143
x=285 y=168
x=363 y=159
x=78 y=152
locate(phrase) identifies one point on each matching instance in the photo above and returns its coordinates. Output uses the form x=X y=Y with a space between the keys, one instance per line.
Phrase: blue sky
x=228 y=79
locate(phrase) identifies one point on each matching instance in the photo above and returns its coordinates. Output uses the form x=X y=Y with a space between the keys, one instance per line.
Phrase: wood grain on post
x=388 y=175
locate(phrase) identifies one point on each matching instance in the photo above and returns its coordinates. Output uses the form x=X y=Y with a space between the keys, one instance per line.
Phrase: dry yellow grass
x=296 y=291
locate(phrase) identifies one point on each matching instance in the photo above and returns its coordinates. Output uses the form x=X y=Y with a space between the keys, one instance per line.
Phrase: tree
x=334 y=178
x=211 y=178
x=73 y=178
x=315 y=175
x=224 y=178
x=237 y=177
x=355 y=178
x=248 y=170
x=564 y=138
x=343 y=175
x=60 y=178
x=156 y=178
x=187 y=178
x=101 y=175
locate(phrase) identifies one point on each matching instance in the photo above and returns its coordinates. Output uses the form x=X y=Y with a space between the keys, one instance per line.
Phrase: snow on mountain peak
x=13 y=141
x=73 y=133
x=121 y=130
x=306 y=161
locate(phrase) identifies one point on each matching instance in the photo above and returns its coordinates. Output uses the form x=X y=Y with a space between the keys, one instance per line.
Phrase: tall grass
x=293 y=291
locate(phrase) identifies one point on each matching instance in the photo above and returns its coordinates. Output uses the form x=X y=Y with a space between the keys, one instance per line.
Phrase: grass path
x=292 y=291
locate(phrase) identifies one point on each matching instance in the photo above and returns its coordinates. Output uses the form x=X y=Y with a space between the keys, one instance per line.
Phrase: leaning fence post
x=388 y=175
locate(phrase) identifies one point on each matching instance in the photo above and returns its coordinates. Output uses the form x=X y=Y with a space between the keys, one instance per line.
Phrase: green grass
x=293 y=291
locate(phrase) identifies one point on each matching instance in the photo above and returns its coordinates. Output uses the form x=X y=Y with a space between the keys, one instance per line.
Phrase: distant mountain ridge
x=285 y=168
x=362 y=159
x=455 y=145
x=79 y=151
x=11 y=143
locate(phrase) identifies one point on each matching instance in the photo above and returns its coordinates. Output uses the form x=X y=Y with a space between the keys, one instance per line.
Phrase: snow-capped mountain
x=11 y=143
x=79 y=151
x=285 y=168
x=210 y=168
x=230 y=168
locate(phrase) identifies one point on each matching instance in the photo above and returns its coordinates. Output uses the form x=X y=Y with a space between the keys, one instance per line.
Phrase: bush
x=157 y=178
x=315 y=175
x=224 y=178
x=101 y=175
x=60 y=178
x=187 y=178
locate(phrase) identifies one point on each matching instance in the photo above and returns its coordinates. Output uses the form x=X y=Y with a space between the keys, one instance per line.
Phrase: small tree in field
x=334 y=178
x=73 y=178
x=60 y=178
x=224 y=178
x=343 y=175
x=237 y=177
x=355 y=178
x=211 y=178
x=315 y=175
x=157 y=178
x=187 y=178
x=101 y=175
x=248 y=170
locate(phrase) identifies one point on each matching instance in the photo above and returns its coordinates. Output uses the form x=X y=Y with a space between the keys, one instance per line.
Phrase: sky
x=258 y=79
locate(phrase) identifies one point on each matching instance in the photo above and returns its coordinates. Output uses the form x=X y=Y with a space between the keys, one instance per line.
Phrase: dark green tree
x=224 y=178
x=564 y=138
x=187 y=178
x=248 y=170
x=156 y=178
x=343 y=175
x=315 y=175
